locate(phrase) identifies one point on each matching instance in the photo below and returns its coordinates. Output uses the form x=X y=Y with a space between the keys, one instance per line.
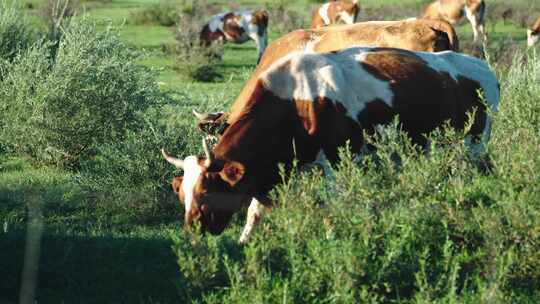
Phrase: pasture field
x=437 y=229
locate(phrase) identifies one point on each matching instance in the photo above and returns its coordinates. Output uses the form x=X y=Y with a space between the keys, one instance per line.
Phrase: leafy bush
x=191 y=58
x=284 y=20
x=401 y=226
x=164 y=13
x=59 y=110
x=16 y=33
x=129 y=179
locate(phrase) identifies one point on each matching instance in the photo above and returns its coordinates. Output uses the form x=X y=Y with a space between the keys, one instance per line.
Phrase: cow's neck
x=260 y=138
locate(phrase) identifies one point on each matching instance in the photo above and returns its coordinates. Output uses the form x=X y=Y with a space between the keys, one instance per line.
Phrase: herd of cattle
x=315 y=90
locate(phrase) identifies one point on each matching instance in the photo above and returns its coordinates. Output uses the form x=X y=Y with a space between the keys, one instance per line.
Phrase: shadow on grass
x=76 y=269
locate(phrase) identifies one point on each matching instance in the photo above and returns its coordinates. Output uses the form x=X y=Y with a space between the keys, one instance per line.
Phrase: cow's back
x=373 y=85
x=415 y=35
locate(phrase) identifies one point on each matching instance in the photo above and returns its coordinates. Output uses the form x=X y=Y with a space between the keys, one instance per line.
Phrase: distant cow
x=533 y=33
x=335 y=12
x=414 y=35
x=237 y=27
x=305 y=106
x=453 y=10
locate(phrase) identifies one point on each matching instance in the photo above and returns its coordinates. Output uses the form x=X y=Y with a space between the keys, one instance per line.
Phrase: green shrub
x=129 y=179
x=59 y=110
x=164 y=13
x=193 y=60
x=16 y=33
x=284 y=20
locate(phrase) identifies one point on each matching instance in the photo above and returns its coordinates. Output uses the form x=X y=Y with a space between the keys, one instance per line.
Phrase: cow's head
x=209 y=189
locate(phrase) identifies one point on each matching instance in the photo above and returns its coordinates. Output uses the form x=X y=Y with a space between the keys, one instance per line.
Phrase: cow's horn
x=208 y=153
x=200 y=116
x=178 y=163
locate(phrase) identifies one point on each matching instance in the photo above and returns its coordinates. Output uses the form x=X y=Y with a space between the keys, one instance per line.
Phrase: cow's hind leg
x=254 y=215
x=477 y=147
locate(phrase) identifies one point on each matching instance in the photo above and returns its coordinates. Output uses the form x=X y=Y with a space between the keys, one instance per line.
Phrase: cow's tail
x=447 y=30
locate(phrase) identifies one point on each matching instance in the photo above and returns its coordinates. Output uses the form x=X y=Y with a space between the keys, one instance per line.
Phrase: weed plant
x=192 y=59
x=60 y=109
x=16 y=32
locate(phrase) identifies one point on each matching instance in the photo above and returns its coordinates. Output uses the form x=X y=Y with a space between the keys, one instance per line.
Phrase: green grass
x=420 y=235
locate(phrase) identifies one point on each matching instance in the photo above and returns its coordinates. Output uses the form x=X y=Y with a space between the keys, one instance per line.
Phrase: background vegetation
x=87 y=101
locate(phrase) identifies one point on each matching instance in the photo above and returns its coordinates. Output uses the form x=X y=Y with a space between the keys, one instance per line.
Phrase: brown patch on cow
x=326 y=126
x=418 y=112
x=233 y=31
x=177 y=187
x=207 y=37
x=376 y=112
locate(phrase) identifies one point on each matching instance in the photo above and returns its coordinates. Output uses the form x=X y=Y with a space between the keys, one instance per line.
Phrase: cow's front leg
x=254 y=214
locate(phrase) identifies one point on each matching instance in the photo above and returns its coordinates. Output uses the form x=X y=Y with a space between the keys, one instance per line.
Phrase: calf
x=305 y=106
x=453 y=10
x=335 y=12
x=533 y=33
x=237 y=27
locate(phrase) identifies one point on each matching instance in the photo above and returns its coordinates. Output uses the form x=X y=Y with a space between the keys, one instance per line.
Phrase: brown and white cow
x=453 y=10
x=533 y=33
x=415 y=35
x=307 y=105
x=237 y=27
x=335 y=12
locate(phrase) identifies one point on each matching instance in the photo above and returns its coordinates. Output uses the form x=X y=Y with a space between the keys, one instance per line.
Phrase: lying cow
x=453 y=10
x=320 y=102
x=335 y=12
x=237 y=27
x=414 y=35
x=533 y=33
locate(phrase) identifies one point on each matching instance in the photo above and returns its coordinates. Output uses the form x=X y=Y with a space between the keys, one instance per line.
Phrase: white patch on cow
x=254 y=214
x=192 y=172
x=306 y=76
x=532 y=39
x=216 y=22
x=252 y=31
x=323 y=12
x=477 y=25
x=346 y=17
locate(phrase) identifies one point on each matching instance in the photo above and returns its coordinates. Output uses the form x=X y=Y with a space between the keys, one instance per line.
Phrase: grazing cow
x=453 y=10
x=307 y=105
x=237 y=27
x=335 y=12
x=414 y=35
x=533 y=33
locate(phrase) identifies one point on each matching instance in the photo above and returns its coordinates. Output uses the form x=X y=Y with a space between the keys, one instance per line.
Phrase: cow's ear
x=177 y=183
x=232 y=172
